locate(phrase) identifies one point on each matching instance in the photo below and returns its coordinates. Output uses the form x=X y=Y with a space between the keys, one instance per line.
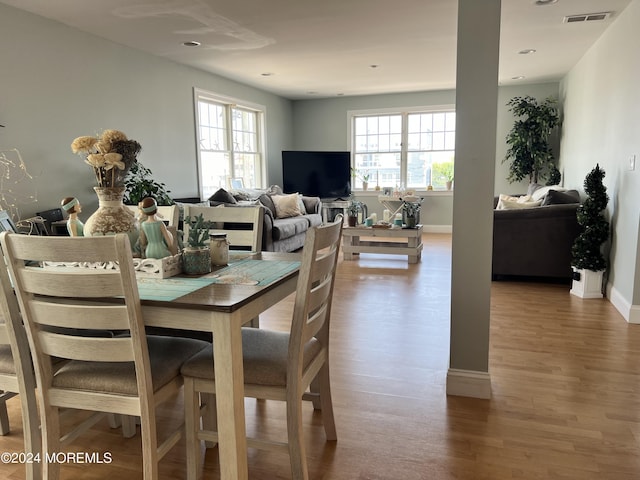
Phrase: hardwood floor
x=565 y=379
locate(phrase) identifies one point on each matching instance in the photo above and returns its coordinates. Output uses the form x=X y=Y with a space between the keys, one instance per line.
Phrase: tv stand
x=330 y=203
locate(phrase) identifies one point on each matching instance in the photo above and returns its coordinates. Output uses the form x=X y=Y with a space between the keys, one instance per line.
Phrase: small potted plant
x=364 y=177
x=196 y=256
x=353 y=209
x=411 y=213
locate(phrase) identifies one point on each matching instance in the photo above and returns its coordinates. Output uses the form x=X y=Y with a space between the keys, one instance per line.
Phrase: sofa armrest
x=534 y=241
x=267 y=231
x=312 y=204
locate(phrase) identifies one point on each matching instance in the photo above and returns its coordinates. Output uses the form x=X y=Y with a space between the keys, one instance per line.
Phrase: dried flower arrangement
x=111 y=155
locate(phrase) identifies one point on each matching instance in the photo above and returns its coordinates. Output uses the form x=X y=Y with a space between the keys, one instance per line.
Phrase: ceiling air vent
x=587 y=17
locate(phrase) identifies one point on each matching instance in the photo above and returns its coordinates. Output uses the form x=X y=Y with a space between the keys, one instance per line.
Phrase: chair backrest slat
x=101 y=317
x=72 y=282
x=81 y=348
x=251 y=218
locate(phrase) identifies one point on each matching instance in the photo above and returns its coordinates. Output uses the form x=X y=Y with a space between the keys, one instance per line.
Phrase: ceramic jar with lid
x=219 y=247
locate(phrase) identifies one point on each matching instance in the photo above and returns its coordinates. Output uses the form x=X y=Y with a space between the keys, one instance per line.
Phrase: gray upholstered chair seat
x=166 y=356
x=264 y=358
x=7 y=366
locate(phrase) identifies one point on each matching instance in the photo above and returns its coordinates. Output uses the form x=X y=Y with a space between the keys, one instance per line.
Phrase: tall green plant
x=586 y=250
x=140 y=184
x=529 y=150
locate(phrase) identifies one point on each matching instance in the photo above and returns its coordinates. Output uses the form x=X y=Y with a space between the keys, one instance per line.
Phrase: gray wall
x=59 y=83
x=601 y=110
x=322 y=125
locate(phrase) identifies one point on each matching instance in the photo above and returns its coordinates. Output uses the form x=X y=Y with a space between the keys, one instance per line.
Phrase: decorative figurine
x=72 y=206
x=155 y=240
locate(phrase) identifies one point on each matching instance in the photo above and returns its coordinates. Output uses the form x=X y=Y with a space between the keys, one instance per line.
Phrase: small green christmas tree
x=595 y=228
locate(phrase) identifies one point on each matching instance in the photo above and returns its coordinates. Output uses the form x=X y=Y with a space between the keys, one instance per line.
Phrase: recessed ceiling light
x=266 y=74
x=518 y=77
x=546 y=2
x=191 y=44
x=527 y=51
x=374 y=66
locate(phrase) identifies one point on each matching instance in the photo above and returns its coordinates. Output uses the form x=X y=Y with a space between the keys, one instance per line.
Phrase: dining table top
x=221 y=293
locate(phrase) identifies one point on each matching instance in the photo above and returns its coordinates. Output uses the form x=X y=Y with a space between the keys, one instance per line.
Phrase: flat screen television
x=317 y=174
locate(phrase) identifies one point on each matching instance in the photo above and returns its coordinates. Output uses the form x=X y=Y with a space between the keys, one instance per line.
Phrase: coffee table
x=380 y=243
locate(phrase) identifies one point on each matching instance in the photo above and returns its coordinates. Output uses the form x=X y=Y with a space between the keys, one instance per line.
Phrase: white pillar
x=476 y=111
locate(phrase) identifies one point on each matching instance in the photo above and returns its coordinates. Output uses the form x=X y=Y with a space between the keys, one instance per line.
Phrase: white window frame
x=230 y=103
x=404 y=112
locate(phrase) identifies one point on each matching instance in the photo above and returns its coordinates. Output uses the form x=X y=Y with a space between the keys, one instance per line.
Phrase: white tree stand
x=589 y=285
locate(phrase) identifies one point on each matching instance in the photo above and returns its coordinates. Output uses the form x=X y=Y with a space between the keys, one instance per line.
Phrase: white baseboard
x=631 y=313
x=437 y=228
x=468 y=383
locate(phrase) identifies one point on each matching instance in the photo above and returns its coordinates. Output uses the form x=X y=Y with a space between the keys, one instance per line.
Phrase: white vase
x=112 y=216
x=589 y=284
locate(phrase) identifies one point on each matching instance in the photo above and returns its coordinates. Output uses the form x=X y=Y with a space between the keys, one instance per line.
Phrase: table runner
x=244 y=272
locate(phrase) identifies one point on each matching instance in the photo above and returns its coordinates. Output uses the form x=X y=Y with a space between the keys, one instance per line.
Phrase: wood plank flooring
x=565 y=378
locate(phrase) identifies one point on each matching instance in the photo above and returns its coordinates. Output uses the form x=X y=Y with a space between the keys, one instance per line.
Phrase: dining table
x=222 y=303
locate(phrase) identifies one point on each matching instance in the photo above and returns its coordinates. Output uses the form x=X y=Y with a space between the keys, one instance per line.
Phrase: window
x=411 y=149
x=230 y=146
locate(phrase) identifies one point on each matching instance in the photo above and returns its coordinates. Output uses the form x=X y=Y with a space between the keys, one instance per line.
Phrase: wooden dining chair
x=126 y=374
x=243 y=225
x=278 y=365
x=16 y=373
x=169 y=213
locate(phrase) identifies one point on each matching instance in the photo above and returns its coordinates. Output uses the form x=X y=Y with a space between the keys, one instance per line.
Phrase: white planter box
x=144 y=267
x=589 y=285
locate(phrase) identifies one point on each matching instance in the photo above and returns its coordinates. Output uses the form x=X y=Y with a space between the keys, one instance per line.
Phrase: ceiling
x=323 y=48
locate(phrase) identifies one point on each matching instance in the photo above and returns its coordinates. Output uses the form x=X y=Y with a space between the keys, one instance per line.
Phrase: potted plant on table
x=587 y=260
x=196 y=256
x=353 y=209
x=410 y=213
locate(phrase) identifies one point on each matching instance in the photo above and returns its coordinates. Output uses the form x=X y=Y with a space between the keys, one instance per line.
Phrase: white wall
x=601 y=111
x=59 y=83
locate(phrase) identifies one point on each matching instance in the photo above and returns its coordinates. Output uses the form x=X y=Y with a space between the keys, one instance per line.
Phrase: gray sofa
x=278 y=234
x=288 y=234
x=536 y=242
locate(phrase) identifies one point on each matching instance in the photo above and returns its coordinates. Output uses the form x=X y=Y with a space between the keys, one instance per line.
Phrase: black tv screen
x=317 y=174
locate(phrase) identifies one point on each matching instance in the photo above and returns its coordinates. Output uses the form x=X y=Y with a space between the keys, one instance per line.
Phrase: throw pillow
x=542 y=191
x=222 y=196
x=532 y=188
x=301 y=204
x=507 y=202
x=554 y=197
x=287 y=205
x=267 y=202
